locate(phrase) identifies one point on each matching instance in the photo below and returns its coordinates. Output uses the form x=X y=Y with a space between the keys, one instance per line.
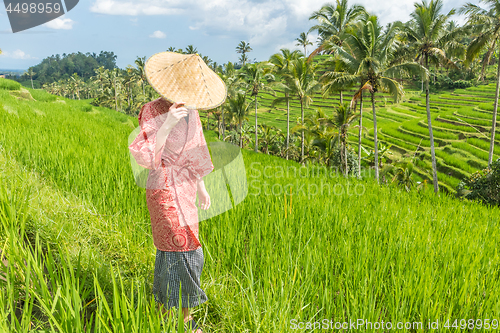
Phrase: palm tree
x=238 y=108
x=303 y=41
x=77 y=84
x=281 y=61
x=190 y=49
x=31 y=73
x=328 y=79
x=270 y=136
x=371 y=59
x=382 y=149
x=243 y=48
x=215 y=66
x=228 y=75
x=139 y=73
x=331 y=84
x=487 y=26
x=428 y=42
x=451 y=25
x=343 y=119
x=401 y=172
x=171 y=49
x=319 y=133
x=302 y=84
x=334 y=21
x=111 y=94
x=243 y=59
x=254 y=79
x=206 y=60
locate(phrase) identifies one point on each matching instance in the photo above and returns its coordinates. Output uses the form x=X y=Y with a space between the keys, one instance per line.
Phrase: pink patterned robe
x=172 y=182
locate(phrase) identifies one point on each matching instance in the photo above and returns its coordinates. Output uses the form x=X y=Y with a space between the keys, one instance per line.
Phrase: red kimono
x=172 y=182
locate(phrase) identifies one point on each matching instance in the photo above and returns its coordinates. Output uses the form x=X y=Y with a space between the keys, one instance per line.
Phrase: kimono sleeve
x=201 y=160
x=144 y=145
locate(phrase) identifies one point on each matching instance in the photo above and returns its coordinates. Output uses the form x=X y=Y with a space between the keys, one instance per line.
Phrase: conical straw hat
x=185 y=78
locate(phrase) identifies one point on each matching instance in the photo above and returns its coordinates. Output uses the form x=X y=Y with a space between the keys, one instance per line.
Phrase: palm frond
x=392 y=87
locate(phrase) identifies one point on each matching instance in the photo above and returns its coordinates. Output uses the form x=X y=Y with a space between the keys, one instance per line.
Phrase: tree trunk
x=128 y=94
x=256 y=143
x=32 y=82
x=208 y=122
x=223 y=124
x=241 y=139
x=375 y=141
x=287 y=124
x=302 y=144
x=359 y=133
x=219 y=123
x=494 y=123
x=345 y=154
x=116 y=99
x=341 y=97
x=431 y=136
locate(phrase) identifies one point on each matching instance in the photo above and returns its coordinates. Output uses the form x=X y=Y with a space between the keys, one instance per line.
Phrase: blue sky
x=132 y=28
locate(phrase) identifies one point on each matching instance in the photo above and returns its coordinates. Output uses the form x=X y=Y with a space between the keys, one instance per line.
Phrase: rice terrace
x=372 y=160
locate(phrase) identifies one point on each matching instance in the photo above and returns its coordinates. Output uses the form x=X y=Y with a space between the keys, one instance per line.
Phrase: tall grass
x=9 y=84
x=50 y=289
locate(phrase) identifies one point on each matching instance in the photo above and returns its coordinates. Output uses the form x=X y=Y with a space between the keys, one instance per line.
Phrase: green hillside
x=347 y=249
x=461 y=123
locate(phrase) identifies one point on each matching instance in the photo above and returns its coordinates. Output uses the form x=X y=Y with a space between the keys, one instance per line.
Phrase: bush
x=443 y=81
x=352 y=161
x=483 y=185
x=461 y=84
x=9 y=84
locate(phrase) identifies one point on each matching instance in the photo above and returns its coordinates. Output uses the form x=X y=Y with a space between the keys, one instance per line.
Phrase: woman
x=176 y=153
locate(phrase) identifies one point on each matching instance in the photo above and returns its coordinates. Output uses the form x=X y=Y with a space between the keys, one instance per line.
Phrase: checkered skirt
x=174 y=270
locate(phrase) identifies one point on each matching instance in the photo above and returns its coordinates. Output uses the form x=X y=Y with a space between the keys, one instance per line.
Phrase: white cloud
x=17 y=54
x=158 y=34
x=263 y=23
x=260 y=21
x=60 y=23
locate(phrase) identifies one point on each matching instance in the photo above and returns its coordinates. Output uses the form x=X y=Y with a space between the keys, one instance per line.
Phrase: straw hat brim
x=185 y=78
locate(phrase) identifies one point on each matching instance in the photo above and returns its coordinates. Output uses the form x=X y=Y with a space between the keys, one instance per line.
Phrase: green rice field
x=79 y=255
x=461 y=120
